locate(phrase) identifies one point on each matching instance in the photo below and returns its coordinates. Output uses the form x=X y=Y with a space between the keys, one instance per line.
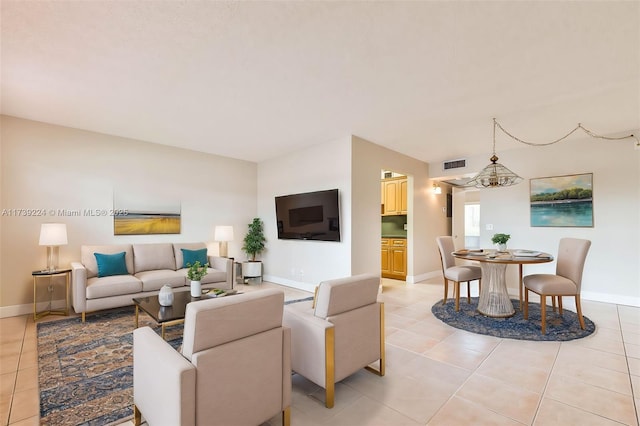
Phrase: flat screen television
x=309 y=216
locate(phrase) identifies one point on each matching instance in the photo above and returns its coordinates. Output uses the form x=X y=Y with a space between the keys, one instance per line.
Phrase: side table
x=50 y=275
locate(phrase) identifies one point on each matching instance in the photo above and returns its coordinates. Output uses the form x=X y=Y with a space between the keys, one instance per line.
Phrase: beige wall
x=426 y=219
x=352 y=165
x=57 y=168
x=303 y=264
x=612 y=270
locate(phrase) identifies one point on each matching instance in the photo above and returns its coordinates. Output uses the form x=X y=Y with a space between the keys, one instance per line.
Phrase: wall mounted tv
x=309 y=216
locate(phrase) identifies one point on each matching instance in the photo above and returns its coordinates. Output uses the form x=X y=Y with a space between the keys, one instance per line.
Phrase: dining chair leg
x=579 y=309
x=446 y=291
x=469 y=292
x=553 y=303
x=560 y=304
x=520 y=284
x=525 y=314
x=456 y=292
x=543 y=312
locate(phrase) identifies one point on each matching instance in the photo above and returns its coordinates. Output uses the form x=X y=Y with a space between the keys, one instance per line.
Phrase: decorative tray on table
x=470 y=252
x=526 y=253
x=218 y=292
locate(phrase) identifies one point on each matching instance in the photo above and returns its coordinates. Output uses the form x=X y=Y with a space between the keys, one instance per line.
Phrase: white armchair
x=234 y=368
x=338 y=333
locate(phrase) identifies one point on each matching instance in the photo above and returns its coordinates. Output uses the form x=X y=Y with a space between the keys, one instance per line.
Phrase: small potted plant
x=501 y=241
x=195 y=274
x=253 y=245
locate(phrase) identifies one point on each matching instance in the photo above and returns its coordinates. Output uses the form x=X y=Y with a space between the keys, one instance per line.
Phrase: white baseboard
x=610 y=298
x=17 y=310
x=412 y=279
x=290 y=283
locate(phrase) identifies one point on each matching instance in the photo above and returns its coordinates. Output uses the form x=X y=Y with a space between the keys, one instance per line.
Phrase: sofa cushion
x=111 y=264
x=177 y=251
x=190 y=257
x=88 y=258
x=151 y=257
x=115 y=285
x=154 y=280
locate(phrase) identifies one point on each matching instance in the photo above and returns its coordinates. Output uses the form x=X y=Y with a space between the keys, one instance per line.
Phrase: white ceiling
x=255 y=80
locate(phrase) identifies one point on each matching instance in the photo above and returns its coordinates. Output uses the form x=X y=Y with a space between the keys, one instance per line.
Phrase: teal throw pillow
x=192 y=256
x=111 y=264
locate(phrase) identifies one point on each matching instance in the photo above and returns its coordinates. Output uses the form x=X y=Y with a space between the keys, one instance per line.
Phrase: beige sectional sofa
x=148 y=268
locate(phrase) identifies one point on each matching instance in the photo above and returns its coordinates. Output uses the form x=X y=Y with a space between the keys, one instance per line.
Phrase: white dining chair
x=456 y=273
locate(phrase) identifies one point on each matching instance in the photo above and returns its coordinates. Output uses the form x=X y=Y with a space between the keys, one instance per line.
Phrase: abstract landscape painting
x=563 y=201
x=139 y=215
x=137 y=223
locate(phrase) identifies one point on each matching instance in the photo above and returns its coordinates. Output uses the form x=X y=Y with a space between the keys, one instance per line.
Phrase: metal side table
x=50 y=275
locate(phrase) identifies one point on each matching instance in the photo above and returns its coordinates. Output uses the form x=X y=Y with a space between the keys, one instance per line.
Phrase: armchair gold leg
x=137 y=416
x=330 y=365
x=380 y=372
x=83 y=316
x=286 y=417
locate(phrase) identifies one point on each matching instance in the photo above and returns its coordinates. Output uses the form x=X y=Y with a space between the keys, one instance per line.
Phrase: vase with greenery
x=253 y=245
x=195 y=273
x=501 y=241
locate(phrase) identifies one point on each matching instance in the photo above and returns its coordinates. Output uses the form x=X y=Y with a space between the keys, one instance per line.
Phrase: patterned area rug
x=85 y=371
x=559 y=328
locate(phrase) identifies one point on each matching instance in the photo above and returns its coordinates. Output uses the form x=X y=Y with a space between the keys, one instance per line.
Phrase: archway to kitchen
x=395 y=211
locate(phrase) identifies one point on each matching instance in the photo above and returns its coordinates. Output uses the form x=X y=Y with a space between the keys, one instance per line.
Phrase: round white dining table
x=494 y=300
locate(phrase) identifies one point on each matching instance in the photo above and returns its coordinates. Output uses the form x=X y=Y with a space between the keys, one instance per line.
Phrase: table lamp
x=223 y=234
x=53 y=235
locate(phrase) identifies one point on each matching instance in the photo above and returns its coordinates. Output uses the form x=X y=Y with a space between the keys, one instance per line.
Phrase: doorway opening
x=394 y=212
x=472 y=225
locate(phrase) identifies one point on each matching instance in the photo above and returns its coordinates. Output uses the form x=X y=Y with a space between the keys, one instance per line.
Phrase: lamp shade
x=53 y=234
x=223 y=233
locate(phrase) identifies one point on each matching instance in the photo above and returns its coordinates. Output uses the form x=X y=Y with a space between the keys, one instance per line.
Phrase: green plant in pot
x=500 y=240
x=195 y=273
x=253 y=245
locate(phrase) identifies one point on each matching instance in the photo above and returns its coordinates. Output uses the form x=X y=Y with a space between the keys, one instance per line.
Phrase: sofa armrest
x=78 y=287
x=164 y=382
x=308 y=334
x=223 y=264
x=286 y=367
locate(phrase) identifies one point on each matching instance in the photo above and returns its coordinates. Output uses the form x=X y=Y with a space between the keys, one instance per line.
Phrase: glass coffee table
x=166 y=316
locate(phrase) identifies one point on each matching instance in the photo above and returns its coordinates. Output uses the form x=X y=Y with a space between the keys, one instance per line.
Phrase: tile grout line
x=626 y=358
x=455 y=393
x=15 y=380
x=546 y=384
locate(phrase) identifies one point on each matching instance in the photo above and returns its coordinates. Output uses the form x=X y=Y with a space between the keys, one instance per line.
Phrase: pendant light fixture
x=496 y=175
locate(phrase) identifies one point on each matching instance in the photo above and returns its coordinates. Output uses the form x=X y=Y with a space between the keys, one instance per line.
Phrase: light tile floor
x=436 y=375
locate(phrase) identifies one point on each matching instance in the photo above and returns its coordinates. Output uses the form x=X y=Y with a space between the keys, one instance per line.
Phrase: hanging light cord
x=578 y=127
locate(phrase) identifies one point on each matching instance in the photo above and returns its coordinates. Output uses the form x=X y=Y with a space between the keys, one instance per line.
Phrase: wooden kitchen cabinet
x=394 y=258
x=394 y=196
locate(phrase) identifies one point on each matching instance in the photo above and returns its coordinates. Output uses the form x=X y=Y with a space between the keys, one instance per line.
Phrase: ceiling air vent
x=454 y=164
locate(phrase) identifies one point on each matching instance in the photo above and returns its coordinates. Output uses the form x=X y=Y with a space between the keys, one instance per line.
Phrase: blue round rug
x=559 y=328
